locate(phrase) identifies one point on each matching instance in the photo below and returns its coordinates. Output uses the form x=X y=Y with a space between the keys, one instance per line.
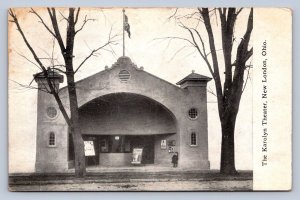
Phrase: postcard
x=150 y=99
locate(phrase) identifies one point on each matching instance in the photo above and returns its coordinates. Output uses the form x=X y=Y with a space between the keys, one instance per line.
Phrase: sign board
x=89 y=149
x=163 y=144
x=137 y=156
x=171 y=149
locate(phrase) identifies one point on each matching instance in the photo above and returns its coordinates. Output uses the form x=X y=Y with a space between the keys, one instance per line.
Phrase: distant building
x=123 y=108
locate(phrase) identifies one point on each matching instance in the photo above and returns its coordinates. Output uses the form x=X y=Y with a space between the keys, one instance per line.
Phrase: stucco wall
x=115 y=159
x=194 y=156
x=50 y=158
x=162 y=156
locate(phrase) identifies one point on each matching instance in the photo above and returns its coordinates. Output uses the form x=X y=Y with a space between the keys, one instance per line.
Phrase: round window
x=124 y=75
x=193 y=113
x=51 y=112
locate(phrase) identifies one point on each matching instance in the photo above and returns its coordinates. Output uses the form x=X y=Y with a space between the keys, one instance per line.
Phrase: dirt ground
x=143 y=186
x=133 y=181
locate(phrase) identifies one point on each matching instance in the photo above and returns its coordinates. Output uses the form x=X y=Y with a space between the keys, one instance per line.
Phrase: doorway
x=147 y=143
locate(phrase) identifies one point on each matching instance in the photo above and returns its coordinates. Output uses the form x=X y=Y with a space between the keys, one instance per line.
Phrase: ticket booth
x=117 y=150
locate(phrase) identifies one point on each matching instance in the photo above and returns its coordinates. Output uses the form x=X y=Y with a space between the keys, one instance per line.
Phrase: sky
x=169 y=60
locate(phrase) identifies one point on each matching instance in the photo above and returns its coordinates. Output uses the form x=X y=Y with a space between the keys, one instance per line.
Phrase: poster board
x=89 y=149
x=137 y=156
x=163 y=144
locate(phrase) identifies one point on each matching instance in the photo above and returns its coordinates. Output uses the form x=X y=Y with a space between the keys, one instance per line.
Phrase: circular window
x=124 y=75
x=193 y=113
x=51 y=112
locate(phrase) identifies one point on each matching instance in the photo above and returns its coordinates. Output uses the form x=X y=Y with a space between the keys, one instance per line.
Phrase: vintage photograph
x=130 y=99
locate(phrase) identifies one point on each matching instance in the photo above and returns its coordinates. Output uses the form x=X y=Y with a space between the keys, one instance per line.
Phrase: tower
x=49 y=155
x=194 y=134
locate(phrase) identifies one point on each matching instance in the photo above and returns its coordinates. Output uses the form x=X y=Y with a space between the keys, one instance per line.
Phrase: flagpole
x=123 y=32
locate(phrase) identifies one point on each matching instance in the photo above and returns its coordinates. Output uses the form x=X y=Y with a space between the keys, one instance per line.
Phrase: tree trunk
x=67 y=53
x=80 y=170
x=227 y=149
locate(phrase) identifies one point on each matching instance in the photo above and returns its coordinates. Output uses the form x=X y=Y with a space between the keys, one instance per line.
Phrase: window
x=127 y=147
x=124 y=75
x=115 y=144
x=193 y=139
x=103 y=146
x=193 y=113
x=51 y=141
x=51 y=112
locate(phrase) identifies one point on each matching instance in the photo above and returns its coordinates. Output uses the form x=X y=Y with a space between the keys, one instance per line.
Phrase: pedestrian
x=175 y=159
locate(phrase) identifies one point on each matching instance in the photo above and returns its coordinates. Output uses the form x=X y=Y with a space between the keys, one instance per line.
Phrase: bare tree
x=68 y=69
x=229 y=93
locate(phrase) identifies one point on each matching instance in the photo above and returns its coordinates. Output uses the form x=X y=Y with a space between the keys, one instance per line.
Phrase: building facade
x=124 y=108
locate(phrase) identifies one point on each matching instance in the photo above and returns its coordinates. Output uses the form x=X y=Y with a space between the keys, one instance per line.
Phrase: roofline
x=205 y=78
x=81 y=80
x=106 y=70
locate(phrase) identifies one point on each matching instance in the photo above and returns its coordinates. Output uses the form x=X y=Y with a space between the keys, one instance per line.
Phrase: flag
x=127 y=26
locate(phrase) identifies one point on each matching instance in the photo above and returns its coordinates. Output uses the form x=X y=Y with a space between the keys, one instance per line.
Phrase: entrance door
x=147 y=143
x=148 y=155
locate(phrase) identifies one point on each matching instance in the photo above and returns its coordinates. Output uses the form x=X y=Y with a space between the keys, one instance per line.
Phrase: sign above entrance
x=89 y=149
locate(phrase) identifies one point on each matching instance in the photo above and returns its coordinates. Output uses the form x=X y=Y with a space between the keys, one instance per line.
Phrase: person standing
x=175 y=159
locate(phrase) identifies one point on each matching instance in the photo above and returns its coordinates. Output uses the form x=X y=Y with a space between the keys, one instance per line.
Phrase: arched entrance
x=114 y=124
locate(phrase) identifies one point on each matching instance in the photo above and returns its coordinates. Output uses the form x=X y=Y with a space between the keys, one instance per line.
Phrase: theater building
x=124 y=108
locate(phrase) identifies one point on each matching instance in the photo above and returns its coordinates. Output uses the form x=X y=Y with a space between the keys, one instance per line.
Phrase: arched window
x=193 y=139
x=52 y=139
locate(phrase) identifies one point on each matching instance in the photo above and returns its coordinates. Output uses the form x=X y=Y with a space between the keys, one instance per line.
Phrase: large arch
x=131 y=109
x=136 y=120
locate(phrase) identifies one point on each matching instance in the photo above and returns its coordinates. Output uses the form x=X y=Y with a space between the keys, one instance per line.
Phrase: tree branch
x=57 y=69
x=197 y=47
x=243 y=54
x=63 y=17
x=77 y=14
x=179 y=38
x=28 y=60
x=238 y=12
x=247 y=77
x=173 y=15
x=216 y=75
x=227 y=27
x=178 y=51
x=29 y=86
x=209 y=90
x=91 y=54
x=42 y=21
x=84 y=23
x=15 y=20
x=109 y=41
x=45 y=71
x=202 y=43
x=58 y=37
